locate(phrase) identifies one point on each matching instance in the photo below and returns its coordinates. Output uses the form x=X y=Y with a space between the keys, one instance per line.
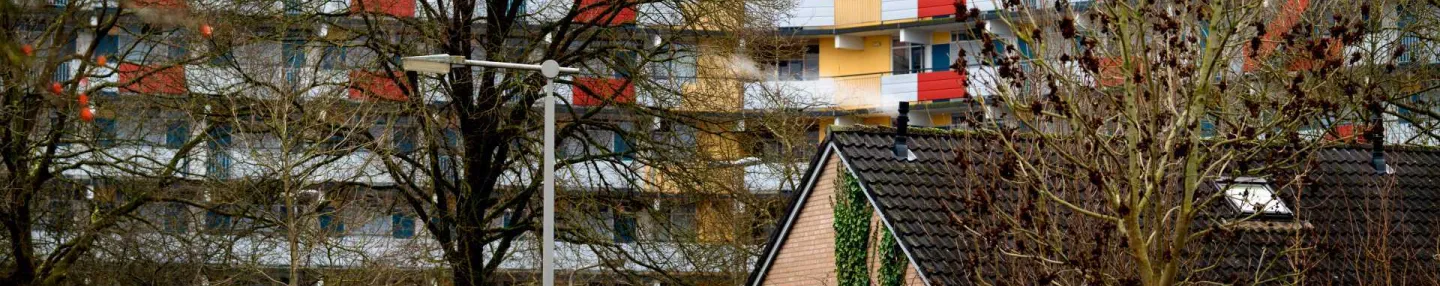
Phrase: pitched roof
x=916 y=197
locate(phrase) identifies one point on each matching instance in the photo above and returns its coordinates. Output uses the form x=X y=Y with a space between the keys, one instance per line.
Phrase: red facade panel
x=1349 y=133
x=1111 y=72
x=161 y=4
x=933 y=8
x=151 y=79
x=595 y=91
x=604 y=12
x=940 y=85
x=367 y=85
x=397 y=8
x=1289 y=16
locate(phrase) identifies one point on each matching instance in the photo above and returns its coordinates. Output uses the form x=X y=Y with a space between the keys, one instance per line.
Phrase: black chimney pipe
x=1376 y=135
x=902 y=124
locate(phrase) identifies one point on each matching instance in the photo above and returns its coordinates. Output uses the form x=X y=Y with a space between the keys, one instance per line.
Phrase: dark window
x=330 y=222
x=405 y=139
x=404 y=226
x=215 y=221
x=333 y=57
x=804 y=68
x=906 y=58
x=176 y=133
x=172 y=218
x=624 y=226
x=218 y=165
x=107 y=134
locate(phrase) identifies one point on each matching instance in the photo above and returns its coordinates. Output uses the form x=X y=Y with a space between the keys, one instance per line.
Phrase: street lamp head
x=550 y=69
x=436 y=64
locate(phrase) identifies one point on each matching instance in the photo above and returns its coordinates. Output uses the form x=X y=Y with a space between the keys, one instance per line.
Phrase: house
x=1353 y=225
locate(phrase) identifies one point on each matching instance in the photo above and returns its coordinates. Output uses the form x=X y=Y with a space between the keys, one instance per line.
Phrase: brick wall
x=808 y=255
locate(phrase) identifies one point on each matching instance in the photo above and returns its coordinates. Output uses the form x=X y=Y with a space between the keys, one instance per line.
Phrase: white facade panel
x=659 y=14
x=983 y=5
x=809 y=13
x=981 y=81
x=898 y=9
x=896 y=88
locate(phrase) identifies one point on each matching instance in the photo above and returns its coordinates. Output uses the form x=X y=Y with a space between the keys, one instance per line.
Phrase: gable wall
x=808 y=255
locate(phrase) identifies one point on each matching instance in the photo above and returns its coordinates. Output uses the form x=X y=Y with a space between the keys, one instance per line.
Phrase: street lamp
x=441 y=64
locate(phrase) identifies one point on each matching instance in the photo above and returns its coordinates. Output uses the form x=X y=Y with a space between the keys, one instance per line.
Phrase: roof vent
x=902 y=124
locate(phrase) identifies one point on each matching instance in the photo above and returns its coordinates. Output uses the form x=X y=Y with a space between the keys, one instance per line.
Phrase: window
x=330 y=222
x=333 y=57
x=107 y=134
x=682 y=219
x=1252 y=196
x=172 y=218
x=969 y=43
x=804 y=68
x=624 y=226
x=404 y=226
x=218 y=165
x=176 y=133
x=906 y=58
x=215 y=221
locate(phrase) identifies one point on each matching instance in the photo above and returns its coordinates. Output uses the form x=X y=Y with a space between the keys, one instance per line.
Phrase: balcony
x=941 y=85
x=808 y=94
x=397 y=8
x=605 y=12
x=376 y=85
x=589 y=91
x=152 y=79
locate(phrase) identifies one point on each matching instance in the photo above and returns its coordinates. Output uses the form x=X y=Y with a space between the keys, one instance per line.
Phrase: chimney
x=1376 y=135
x=902 y=126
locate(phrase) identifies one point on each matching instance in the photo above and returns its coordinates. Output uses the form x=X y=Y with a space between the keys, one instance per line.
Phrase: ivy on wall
x=852 y=232
x=892 y=260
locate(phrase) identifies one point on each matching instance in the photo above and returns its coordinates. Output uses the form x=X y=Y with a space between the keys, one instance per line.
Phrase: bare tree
x=1123 y=122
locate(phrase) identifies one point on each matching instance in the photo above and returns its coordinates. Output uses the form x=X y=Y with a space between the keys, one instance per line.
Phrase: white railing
x=809 y=94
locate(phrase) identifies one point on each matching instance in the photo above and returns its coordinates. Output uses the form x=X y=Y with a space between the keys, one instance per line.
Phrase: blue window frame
x=215 y=221
x=294 y=54
x=176 y=133
x=106 y=45
x=1024 y=48
x=218 y=165
x=404 y=226
x=622 y=145
x=223 y=58
x=106 y=136
x=624 y=226
x=330 y=223
x=333 y=57
x=625 y=62
x=405 y=140
x=172 y=218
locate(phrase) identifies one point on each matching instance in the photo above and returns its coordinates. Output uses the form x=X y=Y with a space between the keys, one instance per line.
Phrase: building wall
x=808 y=255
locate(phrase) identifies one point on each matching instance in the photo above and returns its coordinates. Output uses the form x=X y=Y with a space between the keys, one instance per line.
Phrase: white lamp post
x=441 y=64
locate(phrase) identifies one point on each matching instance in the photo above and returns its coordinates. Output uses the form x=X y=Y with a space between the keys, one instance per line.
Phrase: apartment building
x=859 y=58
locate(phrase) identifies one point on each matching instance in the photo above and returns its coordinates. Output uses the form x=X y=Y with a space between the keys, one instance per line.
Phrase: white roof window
x=1250 y=196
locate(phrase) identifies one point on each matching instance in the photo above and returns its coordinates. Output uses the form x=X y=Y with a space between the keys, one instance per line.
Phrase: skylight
x=1252 y=196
